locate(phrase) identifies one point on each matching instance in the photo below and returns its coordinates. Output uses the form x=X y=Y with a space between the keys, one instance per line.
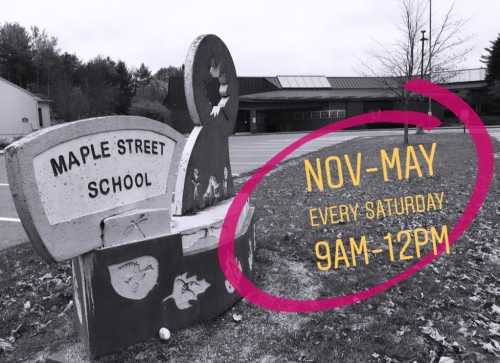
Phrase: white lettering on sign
x=98 y=172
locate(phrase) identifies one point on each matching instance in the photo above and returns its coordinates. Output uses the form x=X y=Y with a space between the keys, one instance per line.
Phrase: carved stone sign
x=67 y=179
x=211 y=88
x=99 y=191
x=101 y=172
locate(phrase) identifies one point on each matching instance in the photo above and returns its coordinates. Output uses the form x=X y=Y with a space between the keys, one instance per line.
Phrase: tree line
x=101 y=86
x=492 y=61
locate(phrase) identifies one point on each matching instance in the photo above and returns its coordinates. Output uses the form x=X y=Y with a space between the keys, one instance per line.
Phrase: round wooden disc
x=211 y=84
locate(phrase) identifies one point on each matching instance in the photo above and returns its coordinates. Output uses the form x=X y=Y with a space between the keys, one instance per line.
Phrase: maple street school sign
x=100 y=191
x=67 y=179
x=100 y=171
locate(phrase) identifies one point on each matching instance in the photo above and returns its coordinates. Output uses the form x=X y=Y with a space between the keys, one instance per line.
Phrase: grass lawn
x=449 y=309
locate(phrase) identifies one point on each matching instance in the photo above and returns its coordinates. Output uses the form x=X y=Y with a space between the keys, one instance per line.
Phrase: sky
x=265 y=37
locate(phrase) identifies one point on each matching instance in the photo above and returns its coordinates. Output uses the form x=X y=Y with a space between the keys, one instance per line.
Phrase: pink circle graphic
x=484 y=154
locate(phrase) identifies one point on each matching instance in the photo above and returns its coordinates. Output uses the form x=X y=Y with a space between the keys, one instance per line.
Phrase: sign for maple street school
x=67 y=179
x=101 y=171
x=100 y=191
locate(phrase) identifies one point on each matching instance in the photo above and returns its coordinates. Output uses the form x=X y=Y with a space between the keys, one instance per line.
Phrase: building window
x=40 y=117
x=336 y=114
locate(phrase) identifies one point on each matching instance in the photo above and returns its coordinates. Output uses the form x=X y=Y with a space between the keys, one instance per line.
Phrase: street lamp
x=423 y=39
x=430 y=53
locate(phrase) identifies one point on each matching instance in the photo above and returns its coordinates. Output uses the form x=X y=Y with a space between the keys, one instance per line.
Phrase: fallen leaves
x=495 y=308
x=492 y=347
x=5 y=346
x=32 y=294
x=66 y=309
x=434 y=334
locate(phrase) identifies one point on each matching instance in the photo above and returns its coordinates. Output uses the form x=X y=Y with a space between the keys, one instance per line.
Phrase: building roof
x=273 y=80
x=364 y=82
x=256 y=84
x=39 y=98
x=318 y=94
x=321 y=88
x=303 y=82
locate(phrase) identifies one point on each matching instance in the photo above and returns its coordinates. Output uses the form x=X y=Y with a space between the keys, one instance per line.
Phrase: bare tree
x=397 y=62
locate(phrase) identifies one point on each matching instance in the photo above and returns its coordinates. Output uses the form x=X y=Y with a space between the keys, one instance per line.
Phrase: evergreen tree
x=69 y=100
x=16 y=62
x=101 y=85
x=125 y=89
x=142 y=76
x=45 y=61
x=79 y=90
x=164 y=73
x=492 y=61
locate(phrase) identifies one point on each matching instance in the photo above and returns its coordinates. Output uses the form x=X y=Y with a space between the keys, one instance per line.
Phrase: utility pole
x=423 y=39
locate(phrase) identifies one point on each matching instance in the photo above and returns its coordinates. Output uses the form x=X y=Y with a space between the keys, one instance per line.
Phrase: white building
x=21 y=112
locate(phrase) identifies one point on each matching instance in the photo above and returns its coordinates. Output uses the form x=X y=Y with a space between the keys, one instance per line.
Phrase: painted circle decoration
x=485 y=164
x=211 y=84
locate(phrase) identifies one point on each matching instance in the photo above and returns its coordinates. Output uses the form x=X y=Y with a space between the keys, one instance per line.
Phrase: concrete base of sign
x=125 y=294
x=135 y=226
x=201 y=232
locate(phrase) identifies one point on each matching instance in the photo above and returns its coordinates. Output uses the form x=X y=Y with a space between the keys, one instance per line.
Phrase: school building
x=301 y=103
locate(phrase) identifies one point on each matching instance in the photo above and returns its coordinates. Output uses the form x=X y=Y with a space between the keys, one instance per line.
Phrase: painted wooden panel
x=211 y=84
x=204 y=176
x=127 y=293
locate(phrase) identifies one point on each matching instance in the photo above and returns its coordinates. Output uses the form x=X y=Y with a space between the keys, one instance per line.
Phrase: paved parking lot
x=248 y=152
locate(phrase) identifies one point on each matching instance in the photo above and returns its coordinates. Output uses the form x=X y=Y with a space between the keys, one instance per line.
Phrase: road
x=248 y=152
x=11 y=230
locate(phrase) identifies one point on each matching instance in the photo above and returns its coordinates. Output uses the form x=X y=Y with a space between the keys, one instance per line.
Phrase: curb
x=248 y=133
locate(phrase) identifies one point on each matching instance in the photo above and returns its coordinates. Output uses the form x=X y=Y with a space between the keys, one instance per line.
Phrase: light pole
x=423 y=39
x=430 y=53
